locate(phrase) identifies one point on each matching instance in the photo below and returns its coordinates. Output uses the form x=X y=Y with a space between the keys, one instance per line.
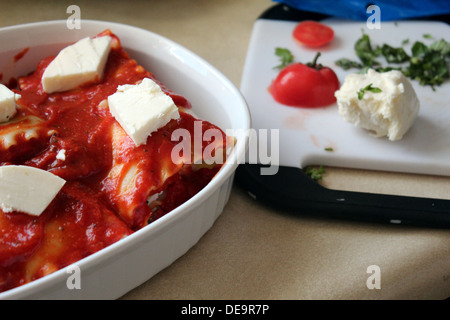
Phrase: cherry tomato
x=305 y=85
x=313 y=33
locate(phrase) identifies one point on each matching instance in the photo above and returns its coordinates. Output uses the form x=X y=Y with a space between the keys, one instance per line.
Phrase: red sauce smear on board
x=82 y=219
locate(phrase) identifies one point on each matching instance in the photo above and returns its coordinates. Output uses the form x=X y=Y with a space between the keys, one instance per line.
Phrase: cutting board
x=305 y=134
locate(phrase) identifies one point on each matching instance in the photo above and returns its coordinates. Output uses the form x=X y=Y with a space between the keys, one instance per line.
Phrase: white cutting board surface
x=305 y=133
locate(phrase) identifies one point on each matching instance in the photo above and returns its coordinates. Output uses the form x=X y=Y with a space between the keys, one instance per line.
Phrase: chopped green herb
x=426 y=64
x=285 y=56
x=315 y=173
x=367 y=88
x=406 y=41
x=394 y=55
x=329 y=149
x=418 y=49
x=429 y=65
x=427 y=36
x=442 y=46
x=364 y=51
x=346 y=64
x=386 y=69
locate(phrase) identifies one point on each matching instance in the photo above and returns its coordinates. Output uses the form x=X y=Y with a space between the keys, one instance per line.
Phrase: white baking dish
x=117 y=269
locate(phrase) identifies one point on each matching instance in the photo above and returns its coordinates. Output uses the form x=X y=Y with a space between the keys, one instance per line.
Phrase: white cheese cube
x=7 y=103
x=27 y=189
x=77 y=64
x=142 y=109
x=389 y=113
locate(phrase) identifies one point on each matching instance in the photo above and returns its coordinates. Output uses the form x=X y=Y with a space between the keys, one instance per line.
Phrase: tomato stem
x=314 y=64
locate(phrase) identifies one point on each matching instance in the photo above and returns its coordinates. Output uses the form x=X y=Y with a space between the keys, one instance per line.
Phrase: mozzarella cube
x=77 y=64
x=27 y=189
x=142 y=109
x=389 y=113
x=7 y=103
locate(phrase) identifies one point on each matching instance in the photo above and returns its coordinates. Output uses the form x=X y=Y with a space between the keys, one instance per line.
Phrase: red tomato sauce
x=82 y=219
x=21 y=54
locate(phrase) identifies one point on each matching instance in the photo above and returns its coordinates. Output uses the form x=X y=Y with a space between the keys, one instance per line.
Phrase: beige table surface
x=254 y=252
